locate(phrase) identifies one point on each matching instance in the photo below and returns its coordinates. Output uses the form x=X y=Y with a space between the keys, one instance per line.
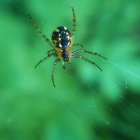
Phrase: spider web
x=123 y=69
x=124 y=84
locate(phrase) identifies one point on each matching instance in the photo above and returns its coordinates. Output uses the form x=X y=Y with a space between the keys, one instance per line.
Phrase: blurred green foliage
x=86 y=104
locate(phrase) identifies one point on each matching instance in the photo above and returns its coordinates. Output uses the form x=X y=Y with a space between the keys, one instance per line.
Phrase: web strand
x=124 y=69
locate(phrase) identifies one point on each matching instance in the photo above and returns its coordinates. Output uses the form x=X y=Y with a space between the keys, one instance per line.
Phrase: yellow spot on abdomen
x=57 y=30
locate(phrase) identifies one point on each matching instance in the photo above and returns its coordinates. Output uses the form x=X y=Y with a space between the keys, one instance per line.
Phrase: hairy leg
x=92 y=53
x=74 y=20
x=48 y=41
x=78 y=44
x=55 y=62
x=85 y=59
x=42 y=60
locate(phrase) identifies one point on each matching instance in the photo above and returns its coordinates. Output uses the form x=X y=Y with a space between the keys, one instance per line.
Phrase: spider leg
x=74 y=20
x=91 y=62
x=42 y=60
x=78 y=51
x=55 y=62
x=48 y=41
x=78 y=44
x=50 y=52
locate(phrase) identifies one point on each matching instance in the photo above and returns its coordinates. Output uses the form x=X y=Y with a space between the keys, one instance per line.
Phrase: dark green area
x=86 y=104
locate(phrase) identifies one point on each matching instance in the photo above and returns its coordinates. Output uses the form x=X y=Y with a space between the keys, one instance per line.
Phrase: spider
x=62 y=46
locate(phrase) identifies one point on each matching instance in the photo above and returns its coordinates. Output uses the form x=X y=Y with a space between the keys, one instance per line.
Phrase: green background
x=86 y=104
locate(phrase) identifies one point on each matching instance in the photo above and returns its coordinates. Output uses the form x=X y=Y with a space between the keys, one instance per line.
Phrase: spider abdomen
x=61 y=37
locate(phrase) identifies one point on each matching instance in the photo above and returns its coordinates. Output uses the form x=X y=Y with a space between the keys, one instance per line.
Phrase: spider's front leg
x=38 y=29
x=73 y=27
x=74 y=21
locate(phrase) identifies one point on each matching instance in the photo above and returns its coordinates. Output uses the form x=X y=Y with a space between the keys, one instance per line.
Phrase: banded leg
x=78 y=51
x=74 y=20
x=48 y=41
x=91 y=62
x=50 y=52
x=55 y=62
x=42 y=60
x=78 y=44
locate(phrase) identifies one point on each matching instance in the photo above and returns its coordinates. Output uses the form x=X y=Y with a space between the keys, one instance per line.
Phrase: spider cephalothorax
x=62 y=46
